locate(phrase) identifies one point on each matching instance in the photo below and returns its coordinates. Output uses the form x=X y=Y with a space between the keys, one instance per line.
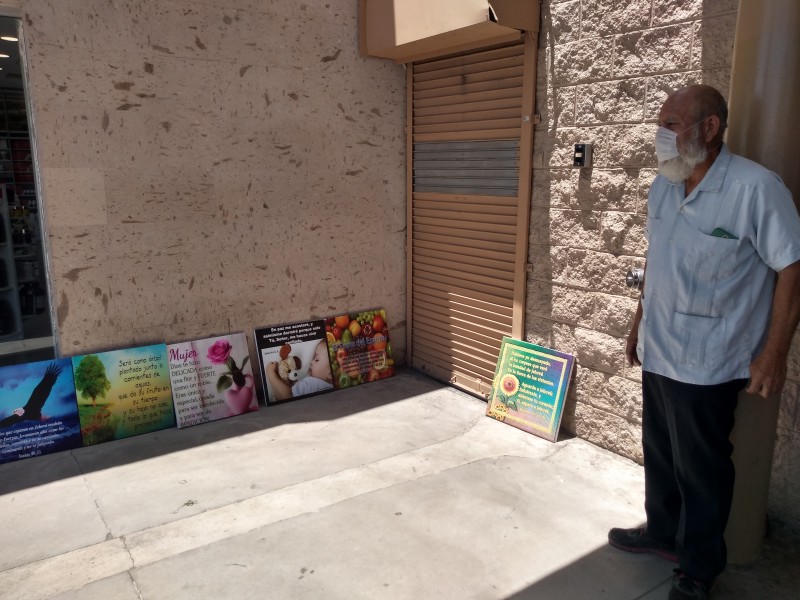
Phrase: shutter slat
x=467 y=78
x=449 y=284
x=463 y=261
x=427 y=304
x=468 y=271
x=496 y=241
x=496 y=312
x=456 y=224
x=468 y=117
x=494 y=65
x=471 y=58
x=514 y=102
x=463 y=251
x=504 y=93
x=453 y=136
x=483 y=359
x=463 y=215
x=491 y=124
x=480 y=201
x=458 y=207
x=472 y=276
x=487 y=290
x=466 y=88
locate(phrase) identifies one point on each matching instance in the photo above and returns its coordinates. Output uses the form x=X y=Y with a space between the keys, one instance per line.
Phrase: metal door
x=470 y=136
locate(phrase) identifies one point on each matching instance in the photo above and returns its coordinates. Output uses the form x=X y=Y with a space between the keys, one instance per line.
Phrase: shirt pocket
x=707 y=257
x=701 y=341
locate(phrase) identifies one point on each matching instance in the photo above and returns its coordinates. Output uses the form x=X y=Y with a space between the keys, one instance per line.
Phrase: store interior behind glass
x=25 y=328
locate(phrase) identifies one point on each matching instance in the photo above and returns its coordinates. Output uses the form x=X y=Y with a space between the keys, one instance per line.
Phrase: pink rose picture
x=238 y=386
x=219 y=353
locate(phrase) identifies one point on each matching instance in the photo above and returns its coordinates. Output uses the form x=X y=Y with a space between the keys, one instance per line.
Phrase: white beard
x=678 y=169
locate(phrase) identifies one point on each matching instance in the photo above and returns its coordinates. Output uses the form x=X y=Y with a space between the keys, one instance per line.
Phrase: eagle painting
x=32 y=411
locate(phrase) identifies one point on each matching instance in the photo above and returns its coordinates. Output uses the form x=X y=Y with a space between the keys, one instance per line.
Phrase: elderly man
x=720 y=304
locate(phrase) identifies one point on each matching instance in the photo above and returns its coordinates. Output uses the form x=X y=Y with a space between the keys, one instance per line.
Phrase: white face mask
x=666 y=144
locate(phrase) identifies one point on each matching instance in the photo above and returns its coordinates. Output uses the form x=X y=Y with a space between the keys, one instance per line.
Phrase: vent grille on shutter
x=487 y=167
x=466 y=114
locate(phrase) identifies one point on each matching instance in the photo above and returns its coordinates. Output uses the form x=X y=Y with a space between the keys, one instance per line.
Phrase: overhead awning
x=410 y=30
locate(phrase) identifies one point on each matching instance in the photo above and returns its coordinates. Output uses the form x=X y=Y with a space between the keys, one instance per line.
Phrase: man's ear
x=712 y=124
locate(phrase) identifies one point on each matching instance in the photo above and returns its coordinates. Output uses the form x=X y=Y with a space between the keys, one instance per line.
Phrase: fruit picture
x=359 y=348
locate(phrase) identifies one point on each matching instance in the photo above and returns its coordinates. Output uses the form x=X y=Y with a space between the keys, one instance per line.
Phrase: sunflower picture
x=529 y=387
x=509 y=384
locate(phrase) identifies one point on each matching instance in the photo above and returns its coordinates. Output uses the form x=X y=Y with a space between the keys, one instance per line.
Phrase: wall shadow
x=614 y=575
x=603 y=573
x=41 y=470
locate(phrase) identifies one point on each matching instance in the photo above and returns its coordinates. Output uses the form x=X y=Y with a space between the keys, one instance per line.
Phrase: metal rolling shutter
x=470 y=136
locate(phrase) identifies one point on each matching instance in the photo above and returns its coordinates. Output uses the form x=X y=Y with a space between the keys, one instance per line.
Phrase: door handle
x=634 y=278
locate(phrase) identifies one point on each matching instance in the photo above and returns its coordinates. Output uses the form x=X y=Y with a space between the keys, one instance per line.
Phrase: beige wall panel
x=210 y=169
x=86 y=285
x=247 y=33
x=86 y=184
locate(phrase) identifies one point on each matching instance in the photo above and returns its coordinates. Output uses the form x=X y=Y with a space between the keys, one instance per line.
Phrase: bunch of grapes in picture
x=349 y=336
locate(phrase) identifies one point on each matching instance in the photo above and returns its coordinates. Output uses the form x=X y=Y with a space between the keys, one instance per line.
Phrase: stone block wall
x=605 y=67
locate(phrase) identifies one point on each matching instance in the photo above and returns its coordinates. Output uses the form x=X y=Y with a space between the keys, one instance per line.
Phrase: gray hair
x=707 y=102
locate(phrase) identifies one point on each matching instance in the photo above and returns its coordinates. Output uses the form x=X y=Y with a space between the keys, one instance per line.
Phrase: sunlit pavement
x=397 y=489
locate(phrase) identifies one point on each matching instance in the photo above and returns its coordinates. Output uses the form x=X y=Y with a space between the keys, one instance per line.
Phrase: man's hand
x=767 y=375
x=633 y=337
x=630 y=346
x=768 y=369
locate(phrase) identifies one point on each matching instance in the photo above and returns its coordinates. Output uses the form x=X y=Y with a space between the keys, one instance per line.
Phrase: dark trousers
x=688 y=469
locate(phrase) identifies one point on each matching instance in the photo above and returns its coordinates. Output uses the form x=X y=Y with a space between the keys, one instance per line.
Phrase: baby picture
x=291 y=378
x=294 y=360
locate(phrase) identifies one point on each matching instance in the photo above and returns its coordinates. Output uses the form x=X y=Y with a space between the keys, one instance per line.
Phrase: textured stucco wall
x=604 y=69
x=214 y=166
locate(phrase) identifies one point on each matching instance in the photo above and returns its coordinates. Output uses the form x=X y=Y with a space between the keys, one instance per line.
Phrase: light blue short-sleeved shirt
x=707 y=299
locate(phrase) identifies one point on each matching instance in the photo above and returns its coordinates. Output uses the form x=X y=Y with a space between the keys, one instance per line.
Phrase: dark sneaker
x=637 y=540
x=686 y=587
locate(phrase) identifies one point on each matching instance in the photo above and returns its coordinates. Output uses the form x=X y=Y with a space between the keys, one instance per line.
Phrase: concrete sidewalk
x=401 y=489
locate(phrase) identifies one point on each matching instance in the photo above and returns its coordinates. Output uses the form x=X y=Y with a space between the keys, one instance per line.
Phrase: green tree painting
x=90 y=378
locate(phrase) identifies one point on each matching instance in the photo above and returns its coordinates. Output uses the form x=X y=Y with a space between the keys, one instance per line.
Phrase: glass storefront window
x=26 y=332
